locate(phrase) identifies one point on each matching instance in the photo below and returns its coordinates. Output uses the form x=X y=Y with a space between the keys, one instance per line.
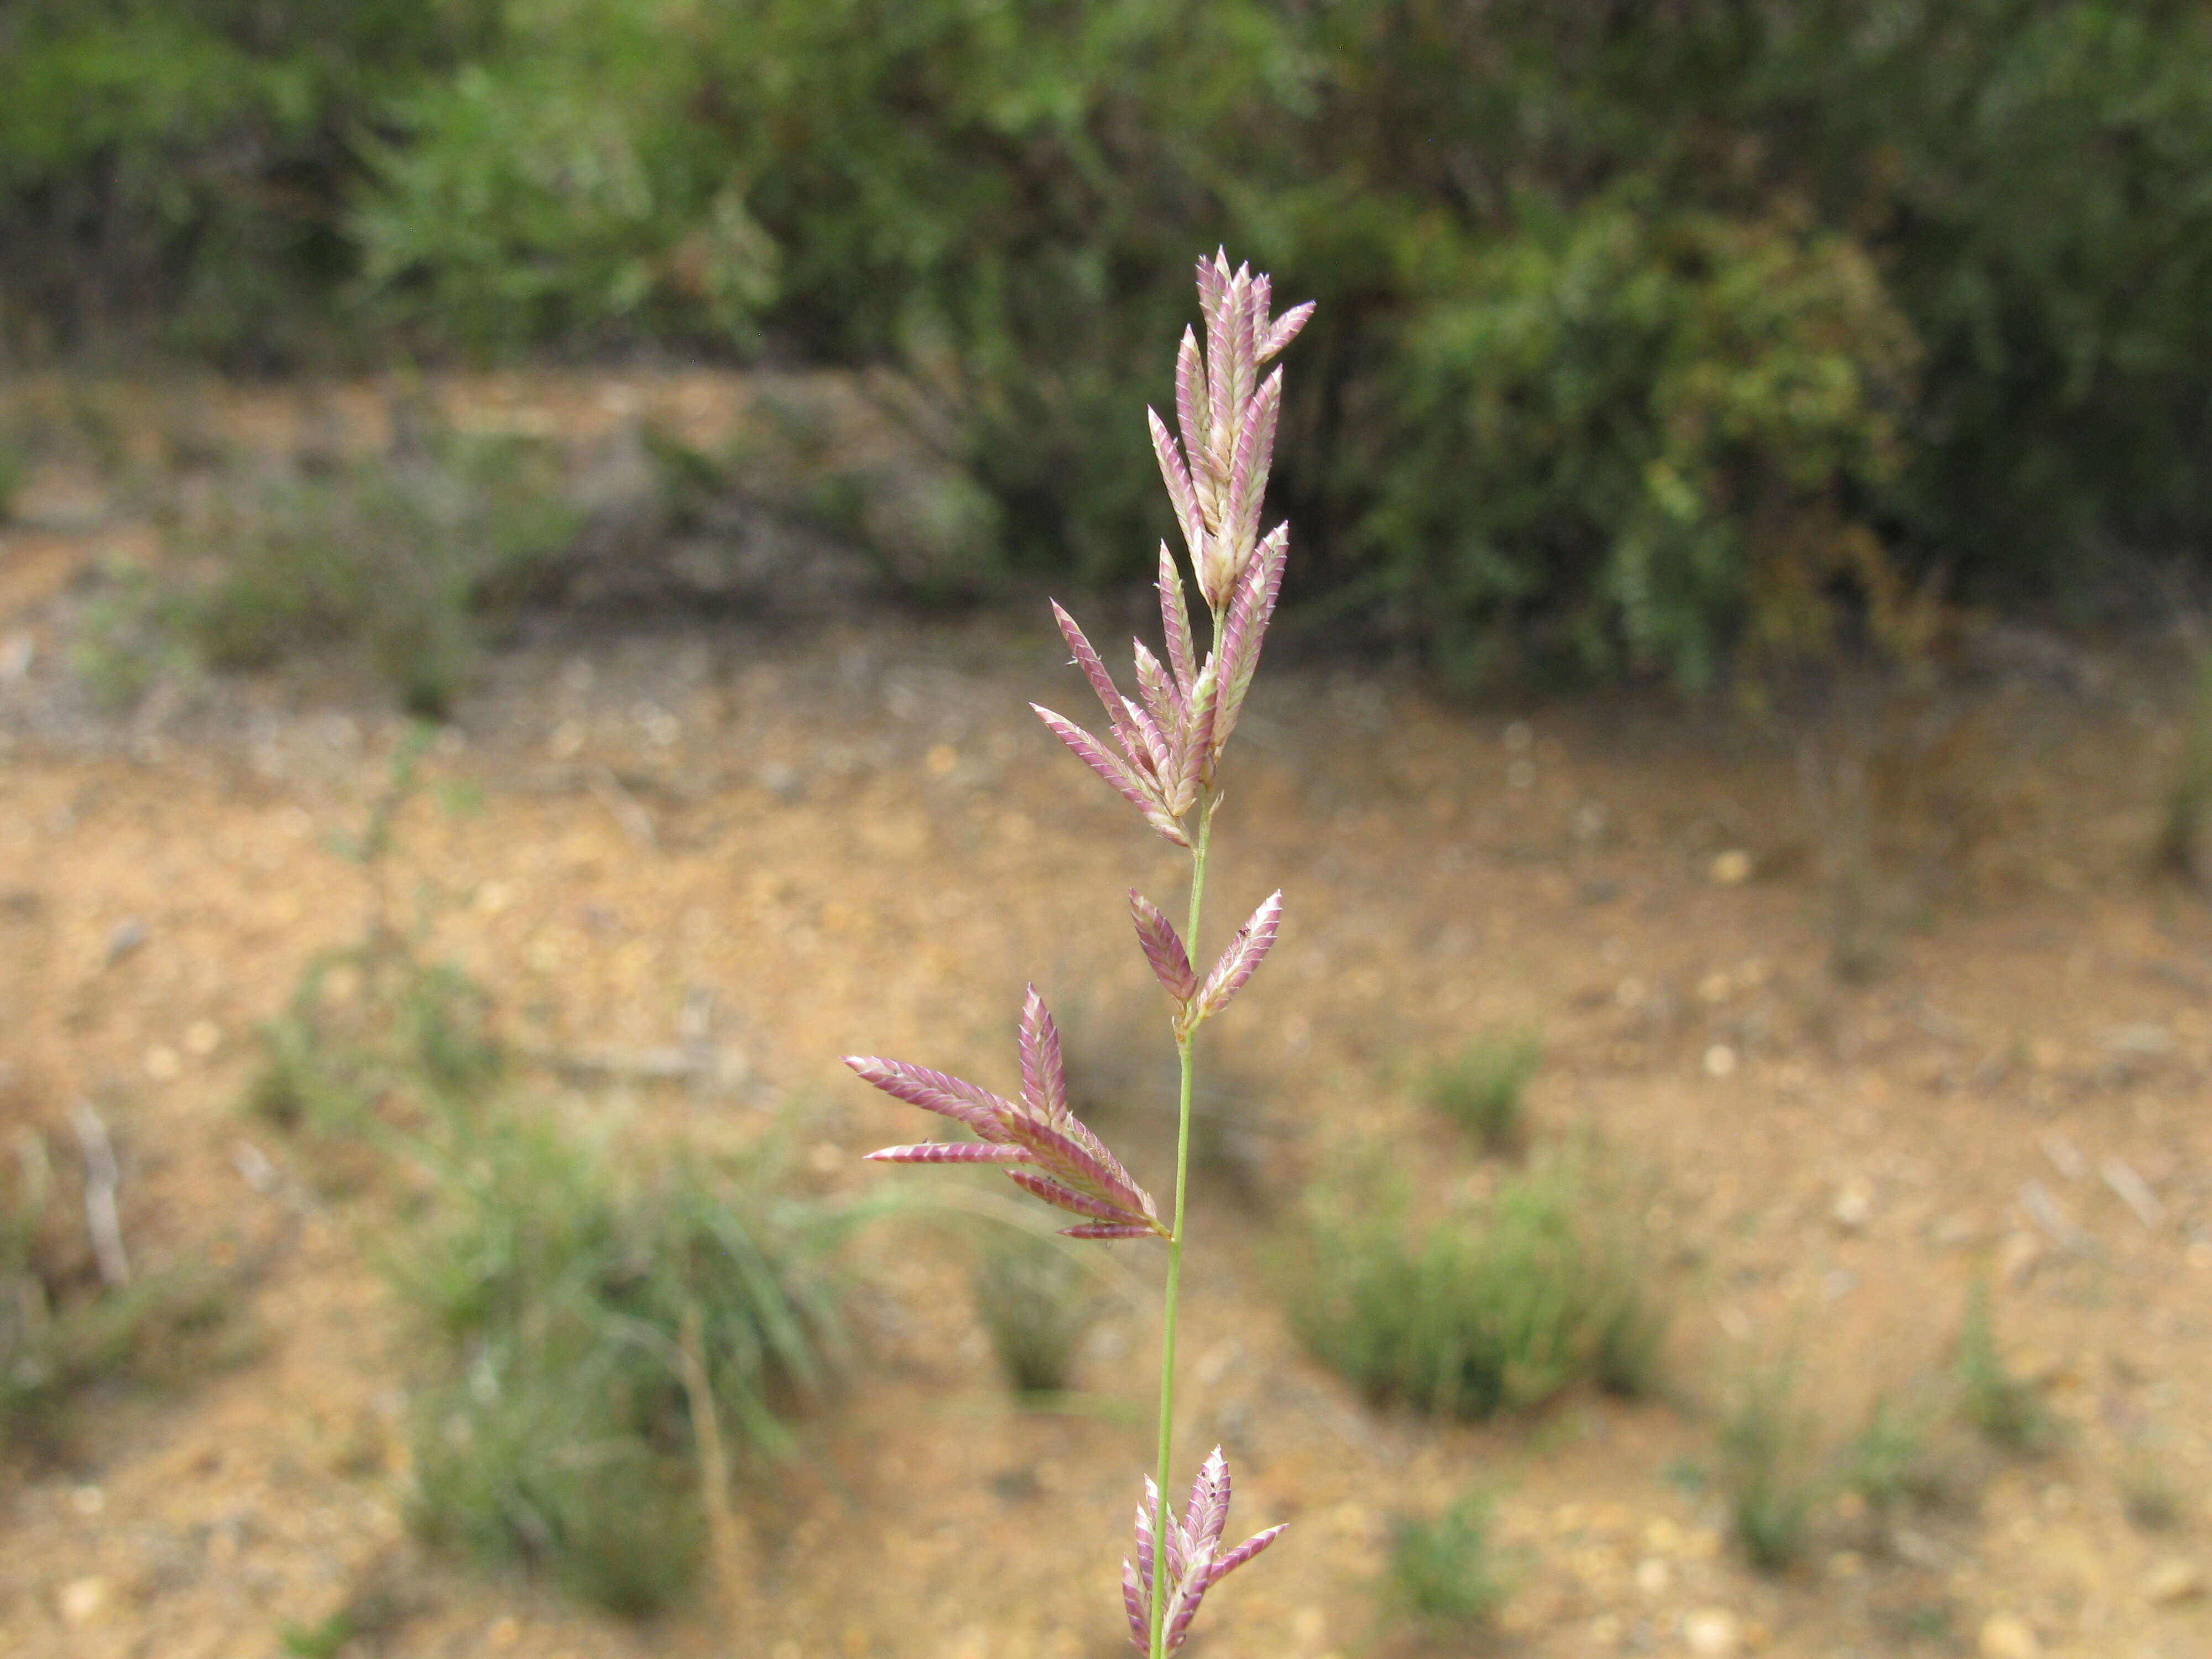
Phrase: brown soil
x=856 y=838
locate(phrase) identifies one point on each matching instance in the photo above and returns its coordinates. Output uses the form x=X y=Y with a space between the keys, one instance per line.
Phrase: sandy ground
x=852 y=836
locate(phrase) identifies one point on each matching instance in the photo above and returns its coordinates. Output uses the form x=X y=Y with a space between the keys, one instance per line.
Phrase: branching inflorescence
x=1164 y=758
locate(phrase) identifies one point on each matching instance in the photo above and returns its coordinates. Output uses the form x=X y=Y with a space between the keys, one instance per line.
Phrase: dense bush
x=1651 y=334
x=183 y=166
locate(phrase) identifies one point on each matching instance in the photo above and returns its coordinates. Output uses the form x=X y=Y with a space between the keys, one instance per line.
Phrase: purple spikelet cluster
x=1059 y=1159
x=1170 y=962
x=1163 y=757
x=1195 y=1559
x=1171 y=737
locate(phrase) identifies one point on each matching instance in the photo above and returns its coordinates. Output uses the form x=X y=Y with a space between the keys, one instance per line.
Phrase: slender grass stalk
x=1163 y=760
x=1186 y=1055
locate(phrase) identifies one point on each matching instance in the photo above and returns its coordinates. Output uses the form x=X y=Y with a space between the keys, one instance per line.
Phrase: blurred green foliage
x=1674 y=338
x=1500 y=1306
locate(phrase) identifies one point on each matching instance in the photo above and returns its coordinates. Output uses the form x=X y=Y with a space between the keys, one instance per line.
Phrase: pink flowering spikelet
x=1061 y=1161
x=1171 y=737
x=1195 y=1561
x=1163 y=755
x=1170 y=962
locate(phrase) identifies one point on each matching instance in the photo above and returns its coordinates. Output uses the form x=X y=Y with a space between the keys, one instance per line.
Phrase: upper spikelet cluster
x=1170 y=737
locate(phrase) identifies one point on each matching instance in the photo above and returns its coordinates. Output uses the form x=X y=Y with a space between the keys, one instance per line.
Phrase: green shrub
x=1632 y=434
x=1481 y=1087
x=1497 y=1307
x=180 y=167
x=397 y=554
x=1440 y=1575
x=1669 y=336
x=562 y=190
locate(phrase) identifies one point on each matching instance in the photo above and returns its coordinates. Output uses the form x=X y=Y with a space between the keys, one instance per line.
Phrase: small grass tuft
x=1037 y=1304
x=1891 y=1461
x=1500 y=1306
x=1441 y=1574
x=2150 y=1494
x=2008 y=1410
x=1769 y=1468
x=62 y=1333
x=563 y=1434
x=1483 y=1087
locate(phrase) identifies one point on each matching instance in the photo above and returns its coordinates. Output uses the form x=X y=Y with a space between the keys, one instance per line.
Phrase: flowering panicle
x=1057 y=1158
x=1170 y=738
x=1162 y=754
x=1195 y=1561
x=1217 y=474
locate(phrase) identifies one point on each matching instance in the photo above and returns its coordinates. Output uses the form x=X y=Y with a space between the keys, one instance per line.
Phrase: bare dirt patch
x=852 y=838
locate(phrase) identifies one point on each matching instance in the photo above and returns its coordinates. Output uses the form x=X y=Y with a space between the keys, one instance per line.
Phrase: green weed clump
x=612 y=1340
x=2007 y=1409
x=1771 y=1465
x=575 y=1311
x=1482 y=1087
x=1441 y=1574
x=1498 y=1306
x=399 y=554
x=2151 y=1495
x=62 y=1331
x=373 y=1035
x=1037 y=1302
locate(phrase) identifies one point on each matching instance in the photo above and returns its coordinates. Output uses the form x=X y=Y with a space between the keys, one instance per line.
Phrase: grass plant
x=1483 y=1087
x=401 y=554
x=1037 y=1304
x=612 y=1334
x=1441 y=1574
x=1900 y=1456
x=63 y=1332
x=2151 y=1495
x=564 y=1291
x=2006 y=1408
x=1770 y=1464
x=1165 y=759
x=1498 y=1306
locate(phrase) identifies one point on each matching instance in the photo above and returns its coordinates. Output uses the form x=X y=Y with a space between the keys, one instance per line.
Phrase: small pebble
x=83 y=1598
x=2004 y=1636
x=1854 y=1205
x=126 y=936
x=1712 y=1632
x=1731 y=868
x=2172 y=1580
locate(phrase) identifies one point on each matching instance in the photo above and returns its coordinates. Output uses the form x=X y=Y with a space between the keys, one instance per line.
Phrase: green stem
x=1185 y=1041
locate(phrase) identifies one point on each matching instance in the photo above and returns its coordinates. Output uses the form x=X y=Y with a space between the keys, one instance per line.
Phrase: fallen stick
x=101 y=1179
